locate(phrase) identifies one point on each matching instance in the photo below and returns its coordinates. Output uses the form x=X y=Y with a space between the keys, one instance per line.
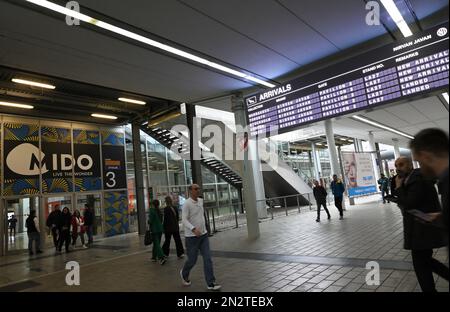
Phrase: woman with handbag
x=156 y=228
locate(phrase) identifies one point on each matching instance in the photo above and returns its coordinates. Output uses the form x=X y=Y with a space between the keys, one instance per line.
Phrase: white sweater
x=193 y=217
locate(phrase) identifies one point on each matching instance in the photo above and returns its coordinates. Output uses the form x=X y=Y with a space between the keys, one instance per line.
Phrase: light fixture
x=445 y=96
x=85 y=18
x=17 y=105
x=131 y=101
x=397 y=17
x=378 y=125
x=104 y=116
x=33 y=83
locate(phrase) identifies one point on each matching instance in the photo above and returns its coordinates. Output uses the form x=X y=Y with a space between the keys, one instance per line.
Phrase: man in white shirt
x=196 y=239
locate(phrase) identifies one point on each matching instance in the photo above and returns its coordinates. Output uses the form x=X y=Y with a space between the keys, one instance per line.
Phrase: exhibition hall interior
x=296 y=145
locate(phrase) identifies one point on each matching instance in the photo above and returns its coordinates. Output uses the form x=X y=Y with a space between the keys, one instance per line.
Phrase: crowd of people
x=65 y=228
x=422 y=196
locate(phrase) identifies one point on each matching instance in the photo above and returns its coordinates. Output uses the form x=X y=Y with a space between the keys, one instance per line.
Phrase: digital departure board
x=412 y=66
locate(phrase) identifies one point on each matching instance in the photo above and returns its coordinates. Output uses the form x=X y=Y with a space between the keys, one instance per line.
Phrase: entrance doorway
x=15 y=214
x=94 y=201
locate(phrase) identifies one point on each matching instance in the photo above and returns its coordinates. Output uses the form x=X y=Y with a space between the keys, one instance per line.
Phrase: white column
x=316 y=160
x=332 y=147
x=248 y=178
x=373 y=149
x=396 y=148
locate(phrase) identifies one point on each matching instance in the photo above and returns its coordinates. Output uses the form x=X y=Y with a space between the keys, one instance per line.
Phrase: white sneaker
x=214 y=287
x=185 y=282
x=85 y=247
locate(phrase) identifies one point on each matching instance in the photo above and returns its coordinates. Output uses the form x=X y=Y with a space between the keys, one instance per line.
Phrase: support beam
x=332 y=147
x=396 y=148
x=248 y=178
x=139 y=178
x=194 y=138
x=375 y=156
x=316 y=161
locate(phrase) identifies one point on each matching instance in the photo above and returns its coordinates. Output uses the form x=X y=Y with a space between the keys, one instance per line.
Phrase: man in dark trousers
x=414 y=192
x=33 y=231
x=320 y=194
x=383 y=182
x=338 y=189
x=53 y=224
x=89 y=219
x=430 y=149
x=172 y=228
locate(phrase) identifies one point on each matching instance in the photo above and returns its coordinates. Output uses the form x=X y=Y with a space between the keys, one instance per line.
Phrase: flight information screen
x=413 y=66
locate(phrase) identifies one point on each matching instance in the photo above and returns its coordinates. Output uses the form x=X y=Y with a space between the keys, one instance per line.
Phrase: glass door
x=15 y=214
x=92 y=200
x=49 y=204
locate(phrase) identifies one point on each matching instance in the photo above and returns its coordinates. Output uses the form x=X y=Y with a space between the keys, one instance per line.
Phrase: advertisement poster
x=359 y=174
x=87 y=153
x=113 y=153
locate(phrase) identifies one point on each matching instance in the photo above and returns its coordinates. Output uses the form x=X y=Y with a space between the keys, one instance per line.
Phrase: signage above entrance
x=412 y=66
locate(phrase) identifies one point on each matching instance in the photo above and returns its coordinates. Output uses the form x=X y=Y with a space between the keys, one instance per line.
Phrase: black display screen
x=409 y=67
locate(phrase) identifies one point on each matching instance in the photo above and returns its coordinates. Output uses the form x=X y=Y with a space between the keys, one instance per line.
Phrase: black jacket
x=65 y=221
x=88 y=217
x=419 y=193
x=53 y=219
x=170 y=220
x=320 y=194
x=443 y=190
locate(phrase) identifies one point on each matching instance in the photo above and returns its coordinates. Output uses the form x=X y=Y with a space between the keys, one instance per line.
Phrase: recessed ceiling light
x=88 y=19
x=104 y=116
x=33 y=83
x=17 y=105
x=131 y=101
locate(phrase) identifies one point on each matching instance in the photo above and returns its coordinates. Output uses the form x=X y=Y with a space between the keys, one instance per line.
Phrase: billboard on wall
x=113 y=160
x=21 y=159
x=87 y=153
x=359 y=174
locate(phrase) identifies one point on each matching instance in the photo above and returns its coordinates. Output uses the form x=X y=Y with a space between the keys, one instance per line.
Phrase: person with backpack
x=33 y=232
x=338 y=189
x=383 y=183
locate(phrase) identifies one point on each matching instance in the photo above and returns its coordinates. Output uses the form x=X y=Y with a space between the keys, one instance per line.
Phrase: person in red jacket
x=78 y=228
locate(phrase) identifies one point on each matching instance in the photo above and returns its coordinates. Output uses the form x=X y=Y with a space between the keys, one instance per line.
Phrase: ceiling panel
x=383 y=116
x=424 y=8
x=431 y=107
x=407 y=113
x=270 y=24
x=337 y=20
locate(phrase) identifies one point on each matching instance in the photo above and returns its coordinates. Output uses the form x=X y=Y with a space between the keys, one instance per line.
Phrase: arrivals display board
x=409 y=67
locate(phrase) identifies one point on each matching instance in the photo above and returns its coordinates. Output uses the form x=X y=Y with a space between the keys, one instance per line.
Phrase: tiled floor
x=294 y=253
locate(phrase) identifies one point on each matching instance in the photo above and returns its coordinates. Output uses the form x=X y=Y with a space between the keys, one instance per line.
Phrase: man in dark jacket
x=33 y=231
x=65 y=221
x=415 y=192
x=338 y=189
x=89 y=223
x=172 y=228
x=383 y=182
x=53 y=224
x=320 y=194
x=430 y=149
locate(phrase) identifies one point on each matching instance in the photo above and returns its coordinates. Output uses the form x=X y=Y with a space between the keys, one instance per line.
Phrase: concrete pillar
x=139 y=178
x=396 y=148
x=316 y=161
x=375 y=156
x=332 y=147
x=248 y=179
x=194 y=138
x=3 y=227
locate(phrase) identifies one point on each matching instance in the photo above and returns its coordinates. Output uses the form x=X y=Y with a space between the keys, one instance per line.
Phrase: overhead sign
x=359 y=174
x=412 y=66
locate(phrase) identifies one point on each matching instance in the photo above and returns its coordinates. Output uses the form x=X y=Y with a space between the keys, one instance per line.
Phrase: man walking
x=53 y=224
x=417 y=193
x=33 y=231
x=320 y=194
x=383 y=182
x=89 y=223
x=196 y=239
x=338 y=189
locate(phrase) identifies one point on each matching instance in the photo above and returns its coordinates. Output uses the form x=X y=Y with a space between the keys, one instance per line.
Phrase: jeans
x=157 y=252
x=34 y=236
x=75 y=237
x=383 y=194
x=193 y=246
x=90 y=233
x=178 y=243
x=324 y=204
x=55 y=233
x=64 y=238
x=338 y=204
x=424 y=265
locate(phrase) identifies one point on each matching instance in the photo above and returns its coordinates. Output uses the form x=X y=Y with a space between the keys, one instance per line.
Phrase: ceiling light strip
x=17 y=105
x=33 y=83
x=397 y=17
x=148 y=41
x=104 y=116
x=131 y=101
x=376 y=124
